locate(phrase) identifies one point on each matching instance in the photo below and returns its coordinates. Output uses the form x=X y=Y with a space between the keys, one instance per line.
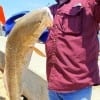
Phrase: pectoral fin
x=37 y=51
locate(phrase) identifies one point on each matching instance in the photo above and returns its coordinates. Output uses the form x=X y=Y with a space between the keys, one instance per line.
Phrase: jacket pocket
x=72 y=20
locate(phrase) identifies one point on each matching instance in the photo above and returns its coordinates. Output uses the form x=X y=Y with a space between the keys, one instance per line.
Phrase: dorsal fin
x=38 y=51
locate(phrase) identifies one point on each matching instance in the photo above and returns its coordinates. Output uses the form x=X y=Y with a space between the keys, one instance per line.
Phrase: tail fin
x=2 y=16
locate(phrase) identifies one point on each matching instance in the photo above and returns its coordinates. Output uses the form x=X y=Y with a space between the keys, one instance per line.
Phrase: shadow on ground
x=2 y=98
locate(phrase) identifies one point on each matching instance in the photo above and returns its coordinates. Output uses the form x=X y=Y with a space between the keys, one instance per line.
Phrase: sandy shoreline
x=3 y=95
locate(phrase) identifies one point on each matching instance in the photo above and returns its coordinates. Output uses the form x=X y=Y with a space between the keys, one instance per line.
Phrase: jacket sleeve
x=97 y=11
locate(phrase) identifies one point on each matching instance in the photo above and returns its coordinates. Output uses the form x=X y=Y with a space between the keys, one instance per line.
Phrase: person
x=72 y=49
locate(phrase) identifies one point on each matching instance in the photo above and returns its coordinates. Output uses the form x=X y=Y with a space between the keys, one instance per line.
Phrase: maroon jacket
x=72 y=46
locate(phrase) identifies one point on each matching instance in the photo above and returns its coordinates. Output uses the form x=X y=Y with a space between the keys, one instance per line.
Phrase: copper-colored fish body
x=26 y=32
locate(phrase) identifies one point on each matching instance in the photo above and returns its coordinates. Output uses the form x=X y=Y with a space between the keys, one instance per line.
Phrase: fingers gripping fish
x=25 y=33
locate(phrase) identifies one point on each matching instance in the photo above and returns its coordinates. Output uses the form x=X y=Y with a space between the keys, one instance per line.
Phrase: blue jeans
x=82 y=94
